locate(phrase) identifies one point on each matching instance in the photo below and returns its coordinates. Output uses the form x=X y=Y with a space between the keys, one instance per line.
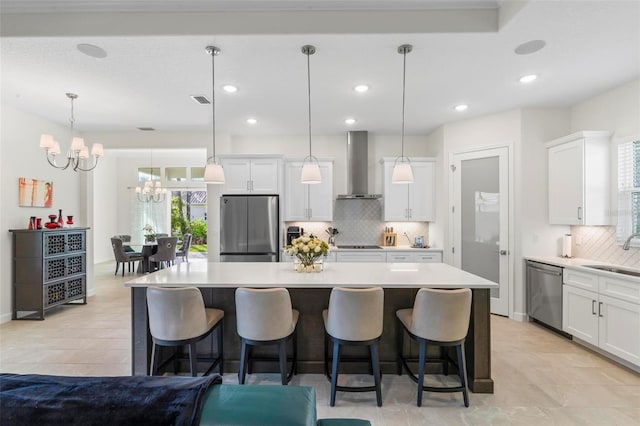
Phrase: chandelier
x=151 y=190
x=78 y=153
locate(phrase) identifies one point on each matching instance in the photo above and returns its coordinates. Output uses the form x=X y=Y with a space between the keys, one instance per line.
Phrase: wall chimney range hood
x=357 y=167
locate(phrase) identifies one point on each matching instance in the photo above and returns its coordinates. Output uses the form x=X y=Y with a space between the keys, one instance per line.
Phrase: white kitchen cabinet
x=608 y=317
x=250 y=175
x=414 y=201
x=579 y=179
x=305 y=202
x=415 y=256
x=377 y=256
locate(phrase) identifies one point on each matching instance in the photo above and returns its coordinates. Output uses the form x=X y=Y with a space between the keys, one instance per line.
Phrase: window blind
x=628 y=189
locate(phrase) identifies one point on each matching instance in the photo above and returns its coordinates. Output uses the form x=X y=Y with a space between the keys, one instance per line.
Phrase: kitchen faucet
x=628 y=242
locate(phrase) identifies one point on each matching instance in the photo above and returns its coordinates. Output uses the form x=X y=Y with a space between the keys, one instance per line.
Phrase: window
x=148 y=173
x=628 y=190
x=176 y=174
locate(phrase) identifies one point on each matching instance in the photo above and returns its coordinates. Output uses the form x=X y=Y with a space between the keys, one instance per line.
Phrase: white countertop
x=282 y=274
x=387 y=248
x=577 y=263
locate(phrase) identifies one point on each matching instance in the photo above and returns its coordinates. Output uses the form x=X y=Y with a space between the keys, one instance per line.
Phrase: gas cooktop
x=359 y=246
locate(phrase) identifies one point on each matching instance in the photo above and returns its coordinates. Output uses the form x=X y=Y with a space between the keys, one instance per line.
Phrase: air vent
x=201 y=99
x=146 y=129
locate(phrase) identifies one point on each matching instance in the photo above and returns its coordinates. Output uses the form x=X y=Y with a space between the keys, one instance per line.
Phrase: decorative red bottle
x=60 y=220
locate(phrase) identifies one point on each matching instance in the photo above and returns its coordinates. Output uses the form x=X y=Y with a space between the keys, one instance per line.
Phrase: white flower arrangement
x=149 y=233
x=307 y=249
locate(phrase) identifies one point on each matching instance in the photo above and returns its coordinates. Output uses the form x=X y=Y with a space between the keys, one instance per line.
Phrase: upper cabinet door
x=237 y=173
x=305 y=202
x=414 y=201
x=264 y=176
x=422 y=191
x=321 y=195
x=250 y=175
x=579 y=179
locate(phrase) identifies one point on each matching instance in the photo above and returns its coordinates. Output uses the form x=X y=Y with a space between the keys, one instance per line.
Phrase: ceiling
x=156 y=59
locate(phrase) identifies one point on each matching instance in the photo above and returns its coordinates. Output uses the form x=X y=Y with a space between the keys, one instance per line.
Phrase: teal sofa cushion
x=343 y=422
x=248 y=405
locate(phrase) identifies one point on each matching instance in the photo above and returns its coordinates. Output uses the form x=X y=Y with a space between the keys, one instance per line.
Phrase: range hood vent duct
x=357 y=167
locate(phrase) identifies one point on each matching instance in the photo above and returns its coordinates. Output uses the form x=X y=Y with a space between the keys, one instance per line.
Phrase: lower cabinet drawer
x=348 y=256
x=413 y=257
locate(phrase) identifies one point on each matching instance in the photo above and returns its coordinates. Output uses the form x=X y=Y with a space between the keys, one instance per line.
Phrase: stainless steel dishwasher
x=544 y=293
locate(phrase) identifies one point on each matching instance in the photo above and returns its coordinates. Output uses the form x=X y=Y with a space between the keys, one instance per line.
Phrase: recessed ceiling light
x=350 y=121
x=361 y=88
x=229 y=88
x=251 y=121
x=91 y=50
x=528 y=78
x=530 y=47
x=461 y=107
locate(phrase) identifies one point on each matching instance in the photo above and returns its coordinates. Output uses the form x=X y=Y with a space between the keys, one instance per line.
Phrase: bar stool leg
x=334 y=372
x=282 y=346
x=400 y=347
x=326 y=355
x=295 y=352
x=242 y=373
x=462 y=369
x=376 y=372
x=153 y=358
x=192 y=359
x=421 y=360
x=221 y=347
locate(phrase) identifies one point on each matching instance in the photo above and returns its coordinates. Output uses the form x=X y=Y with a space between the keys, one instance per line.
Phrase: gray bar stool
x=265 y=317
x=178 y=317
x=354 y=318
x=438 y=317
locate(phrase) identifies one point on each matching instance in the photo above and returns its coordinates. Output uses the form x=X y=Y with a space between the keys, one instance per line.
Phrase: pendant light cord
x=213 y=104
x=72 y=119
x=309 y=97
x=404 y=77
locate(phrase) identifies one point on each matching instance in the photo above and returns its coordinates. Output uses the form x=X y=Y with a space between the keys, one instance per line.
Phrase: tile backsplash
x=360 y=222
x=599 y=243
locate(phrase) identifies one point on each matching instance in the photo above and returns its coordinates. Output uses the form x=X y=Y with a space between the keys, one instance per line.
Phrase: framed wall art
x=35 y=192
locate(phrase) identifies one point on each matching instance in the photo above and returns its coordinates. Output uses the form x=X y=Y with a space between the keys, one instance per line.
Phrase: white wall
x=105 y=208
x=22 y=157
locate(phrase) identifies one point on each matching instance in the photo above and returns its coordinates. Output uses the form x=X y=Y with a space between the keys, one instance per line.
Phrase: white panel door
x=480 y=219
x=321 y=195
x=296 y=193
x=396 y=197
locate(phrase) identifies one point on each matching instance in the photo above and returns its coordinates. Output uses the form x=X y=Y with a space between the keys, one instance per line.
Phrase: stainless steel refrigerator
x=249 y=228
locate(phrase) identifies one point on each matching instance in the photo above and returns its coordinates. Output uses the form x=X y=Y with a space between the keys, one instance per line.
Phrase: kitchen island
x=310 y=295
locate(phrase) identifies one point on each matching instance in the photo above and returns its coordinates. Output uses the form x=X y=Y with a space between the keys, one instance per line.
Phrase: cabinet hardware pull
x=247 y=185
x=544 y=270
x=579 y=213
x=600 y=309
x=593 y=307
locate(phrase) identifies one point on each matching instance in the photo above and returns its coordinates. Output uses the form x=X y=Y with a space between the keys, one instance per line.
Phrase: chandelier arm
x=77 y=165
x=54 y=163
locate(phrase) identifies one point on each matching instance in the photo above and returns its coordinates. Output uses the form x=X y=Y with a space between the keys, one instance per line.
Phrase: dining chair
x=166 y=253
x=186 y=245
x=122 y=256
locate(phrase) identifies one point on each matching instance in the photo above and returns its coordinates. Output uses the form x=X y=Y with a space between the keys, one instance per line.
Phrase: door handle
x=579 y=213
x=593 y=307
x=600 y=309
x=504 y=252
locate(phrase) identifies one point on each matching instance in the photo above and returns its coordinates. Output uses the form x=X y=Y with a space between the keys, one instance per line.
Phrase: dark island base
x=310 y=303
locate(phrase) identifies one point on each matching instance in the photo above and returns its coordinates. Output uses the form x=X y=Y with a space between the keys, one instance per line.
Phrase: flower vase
x=313 y=266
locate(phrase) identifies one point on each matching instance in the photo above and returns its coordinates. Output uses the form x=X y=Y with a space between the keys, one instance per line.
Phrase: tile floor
x=540 y=378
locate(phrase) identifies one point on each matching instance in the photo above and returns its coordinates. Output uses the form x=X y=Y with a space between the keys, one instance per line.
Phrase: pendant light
x=402 y=172
x=310 y=166
x=78 y=152
x=213 y=172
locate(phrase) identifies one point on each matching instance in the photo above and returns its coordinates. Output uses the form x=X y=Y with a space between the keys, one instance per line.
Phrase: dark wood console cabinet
x=49 y=269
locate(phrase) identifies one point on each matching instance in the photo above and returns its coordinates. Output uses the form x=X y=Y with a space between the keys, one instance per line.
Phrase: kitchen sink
x=614 y=269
